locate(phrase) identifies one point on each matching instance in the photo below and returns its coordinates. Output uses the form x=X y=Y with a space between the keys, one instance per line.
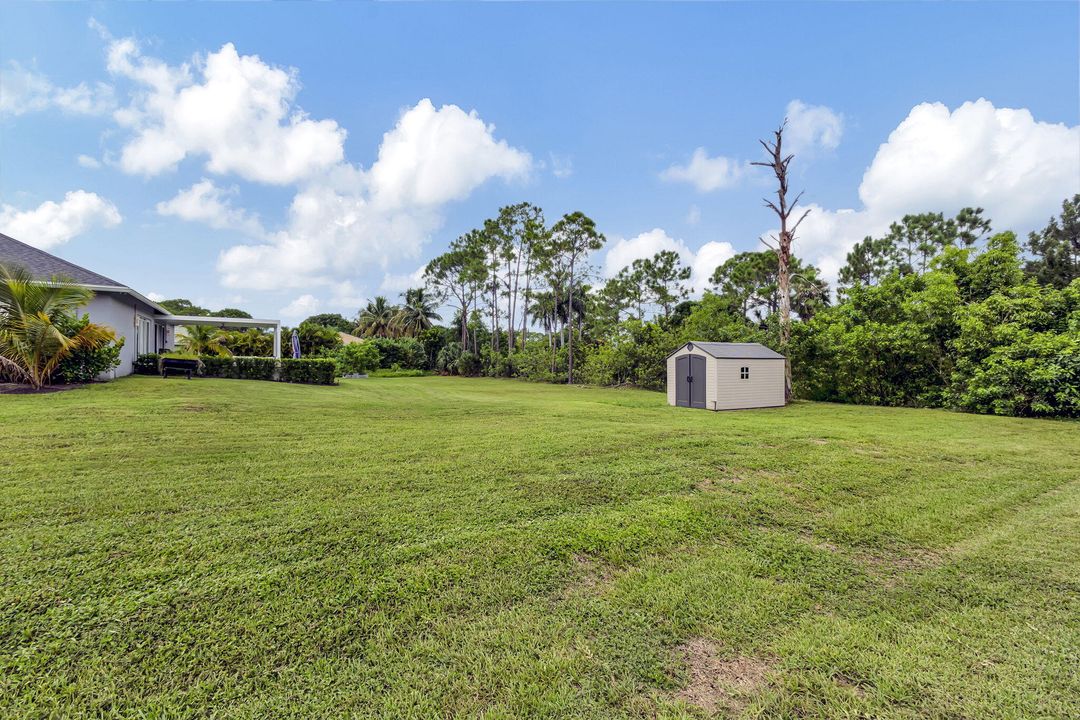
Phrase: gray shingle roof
x=738 y=351
x=44 y=266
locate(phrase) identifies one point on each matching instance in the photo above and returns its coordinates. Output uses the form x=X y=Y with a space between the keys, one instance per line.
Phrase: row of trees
x=949 y=314
x=515 y=268
x=938 y=311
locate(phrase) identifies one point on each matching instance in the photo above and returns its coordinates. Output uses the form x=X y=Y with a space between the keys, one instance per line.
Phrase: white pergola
x=228 y=322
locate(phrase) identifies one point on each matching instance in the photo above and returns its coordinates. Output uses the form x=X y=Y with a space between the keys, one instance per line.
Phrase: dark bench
x=178 y=365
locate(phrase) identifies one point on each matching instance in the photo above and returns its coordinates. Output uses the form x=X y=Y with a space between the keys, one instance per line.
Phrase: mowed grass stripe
x=436 y=547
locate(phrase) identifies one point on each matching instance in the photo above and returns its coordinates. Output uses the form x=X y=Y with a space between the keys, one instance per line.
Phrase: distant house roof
x=44 y=266
x=735 y=351
x=347 y=339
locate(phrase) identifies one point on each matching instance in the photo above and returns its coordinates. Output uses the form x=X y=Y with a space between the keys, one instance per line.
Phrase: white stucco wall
x=764 y=387
x=119 y=311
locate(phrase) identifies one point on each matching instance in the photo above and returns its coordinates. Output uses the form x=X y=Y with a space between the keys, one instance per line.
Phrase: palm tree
x=32 y=315
x=203 y=340
x=252 y=342
x=377 y=319
x=416 y=314
x=543 y=309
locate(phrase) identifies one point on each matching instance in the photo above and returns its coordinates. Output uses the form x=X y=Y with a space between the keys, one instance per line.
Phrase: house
x=348 y=339
x=725 y=376
x=145 y=326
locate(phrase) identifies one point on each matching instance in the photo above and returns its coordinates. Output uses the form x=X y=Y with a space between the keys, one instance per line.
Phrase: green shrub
x=315 y=371
x=499 y=365
x=147 y=364
x=218 y=366
x=357 y=358
x=534 y=362
x=468 y=364
x=604 y=365
x=255 y=368
x=404 y=352
x=84 y=365
x=446 y=360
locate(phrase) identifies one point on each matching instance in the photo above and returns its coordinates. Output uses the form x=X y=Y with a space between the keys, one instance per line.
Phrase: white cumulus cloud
x=351 y=219
x=940 y=160
x=707 y=173
x=205 y=202
x=399 y=283
x=811 y=127
x=89 y=162
x=433 y=156
x=701 y=262
x=54 y=223
x=235 y=110
x=300 y=308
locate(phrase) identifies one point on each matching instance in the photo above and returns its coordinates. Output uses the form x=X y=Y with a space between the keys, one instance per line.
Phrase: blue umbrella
x=295 y=344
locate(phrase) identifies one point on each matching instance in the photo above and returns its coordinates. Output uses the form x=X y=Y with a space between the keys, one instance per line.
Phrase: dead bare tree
x=784 y=210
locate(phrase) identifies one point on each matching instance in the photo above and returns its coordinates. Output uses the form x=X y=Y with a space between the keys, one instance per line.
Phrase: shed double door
x=690 y=381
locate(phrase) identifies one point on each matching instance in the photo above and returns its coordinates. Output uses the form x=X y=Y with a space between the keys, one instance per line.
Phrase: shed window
x=744 y=373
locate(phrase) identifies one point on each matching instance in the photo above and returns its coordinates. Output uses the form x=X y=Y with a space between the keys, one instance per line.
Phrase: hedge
x=147 y=364
x=312 y=371
x=316 y=371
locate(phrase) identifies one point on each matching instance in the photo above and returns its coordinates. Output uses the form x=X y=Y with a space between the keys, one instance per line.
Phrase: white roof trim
x=128 y=291
x=219 y=321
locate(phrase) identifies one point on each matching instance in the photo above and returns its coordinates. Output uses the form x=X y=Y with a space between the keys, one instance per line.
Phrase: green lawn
x=440 y=547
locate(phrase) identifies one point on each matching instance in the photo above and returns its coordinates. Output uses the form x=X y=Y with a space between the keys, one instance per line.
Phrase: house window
x=143 y=335
x=744 y=373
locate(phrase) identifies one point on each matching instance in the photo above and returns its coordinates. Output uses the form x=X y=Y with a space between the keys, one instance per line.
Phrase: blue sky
x=314 y=176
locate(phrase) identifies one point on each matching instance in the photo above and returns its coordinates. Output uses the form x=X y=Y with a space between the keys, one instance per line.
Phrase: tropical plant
x=203 y=340
x=357 y=358
x=416 y=314
x=36 y=332
x=404 y=352
x=84 y=364
x=252 y=342
x=377 y=319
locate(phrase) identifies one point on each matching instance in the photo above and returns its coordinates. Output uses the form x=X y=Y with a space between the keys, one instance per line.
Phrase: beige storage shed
x=725 y=376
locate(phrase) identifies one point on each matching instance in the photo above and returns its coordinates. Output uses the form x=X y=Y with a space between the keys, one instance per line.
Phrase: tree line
x=937 y=312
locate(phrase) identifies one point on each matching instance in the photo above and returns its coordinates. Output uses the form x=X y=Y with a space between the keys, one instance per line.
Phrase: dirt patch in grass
x=713 y=483
x=818 y=543
x=889 y=569
x=591 y=575
x=719 y=682
x=892 y=569
x=20 y=389
x=846 y=682
x=724 y=475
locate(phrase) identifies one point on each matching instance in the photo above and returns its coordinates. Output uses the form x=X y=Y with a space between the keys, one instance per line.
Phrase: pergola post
x=277 y=341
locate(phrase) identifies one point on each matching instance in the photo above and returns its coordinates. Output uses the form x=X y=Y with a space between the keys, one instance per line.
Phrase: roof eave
x=128 y=291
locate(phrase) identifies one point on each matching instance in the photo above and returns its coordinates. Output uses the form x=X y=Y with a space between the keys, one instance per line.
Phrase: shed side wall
x=764 y=388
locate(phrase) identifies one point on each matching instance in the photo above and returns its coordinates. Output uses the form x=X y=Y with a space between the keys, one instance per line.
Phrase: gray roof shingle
x=44 y=266
x=738 y=351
